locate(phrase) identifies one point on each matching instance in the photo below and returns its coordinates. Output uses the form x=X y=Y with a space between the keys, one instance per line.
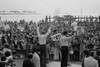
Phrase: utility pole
x=81 y=13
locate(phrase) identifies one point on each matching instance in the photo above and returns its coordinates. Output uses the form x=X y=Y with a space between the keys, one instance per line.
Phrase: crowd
x=25 y=40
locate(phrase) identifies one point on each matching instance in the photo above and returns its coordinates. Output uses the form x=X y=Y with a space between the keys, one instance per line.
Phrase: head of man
x=3 y=58
x=65 y=33
x=42 y=31
x=34 y=50
x=91 y=53
x=7 y=53
x=30 y=56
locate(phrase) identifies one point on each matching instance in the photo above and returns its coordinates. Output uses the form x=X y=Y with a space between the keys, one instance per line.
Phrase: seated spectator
x=28 y=61
x=36 y=58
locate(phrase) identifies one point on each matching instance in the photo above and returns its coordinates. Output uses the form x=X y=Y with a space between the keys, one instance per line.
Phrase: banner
x=56 y=37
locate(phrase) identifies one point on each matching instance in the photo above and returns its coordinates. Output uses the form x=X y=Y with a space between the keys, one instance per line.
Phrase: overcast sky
x=51 y=7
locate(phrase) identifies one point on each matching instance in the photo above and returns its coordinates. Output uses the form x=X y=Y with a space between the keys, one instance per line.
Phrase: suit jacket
x=98 y=58
x=90 y=62
x=27 y=63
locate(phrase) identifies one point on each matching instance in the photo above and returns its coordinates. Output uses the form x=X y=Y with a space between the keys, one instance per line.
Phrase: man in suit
x=98 y=57
x=90 y=61
x=28 y=61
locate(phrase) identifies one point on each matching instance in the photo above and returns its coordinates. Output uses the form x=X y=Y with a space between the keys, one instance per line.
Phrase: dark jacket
x=27 y=63
x=2 y=64
x=98 y=59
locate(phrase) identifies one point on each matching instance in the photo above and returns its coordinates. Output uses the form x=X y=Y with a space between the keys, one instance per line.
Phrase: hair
x=65 y=33
x=30 y=56
x=3 y=58
x=98 y=53
x=6 y=45
x=43 y=32
x=86 y=52
x=7 y=53
x=91 y=53
x=34 y=49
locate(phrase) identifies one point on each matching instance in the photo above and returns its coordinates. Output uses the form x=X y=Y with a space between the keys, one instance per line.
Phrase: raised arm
x=49 y=30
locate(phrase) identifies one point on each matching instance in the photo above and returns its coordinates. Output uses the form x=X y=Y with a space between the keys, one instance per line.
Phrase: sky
x=54 y=7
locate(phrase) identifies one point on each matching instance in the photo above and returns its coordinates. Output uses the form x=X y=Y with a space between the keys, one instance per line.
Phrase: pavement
x=57 y=64
x=50 y=64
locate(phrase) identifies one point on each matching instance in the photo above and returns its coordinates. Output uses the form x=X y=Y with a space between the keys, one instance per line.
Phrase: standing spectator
x=42 y=42
x=64 y=48
x=36 y=58
x=28 y=61
x=90 y=61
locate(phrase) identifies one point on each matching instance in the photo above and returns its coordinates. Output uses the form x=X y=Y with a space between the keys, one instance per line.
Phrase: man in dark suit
x=28 y=61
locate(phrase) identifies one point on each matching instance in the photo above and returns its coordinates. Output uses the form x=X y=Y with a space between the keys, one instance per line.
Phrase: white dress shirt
x=36 y=60
x=90 y=62
x=65 y=41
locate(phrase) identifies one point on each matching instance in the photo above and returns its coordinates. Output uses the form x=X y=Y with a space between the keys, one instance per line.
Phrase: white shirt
x=90 y=62
x=36 y=60
x=42 y=38
x=64 y=41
